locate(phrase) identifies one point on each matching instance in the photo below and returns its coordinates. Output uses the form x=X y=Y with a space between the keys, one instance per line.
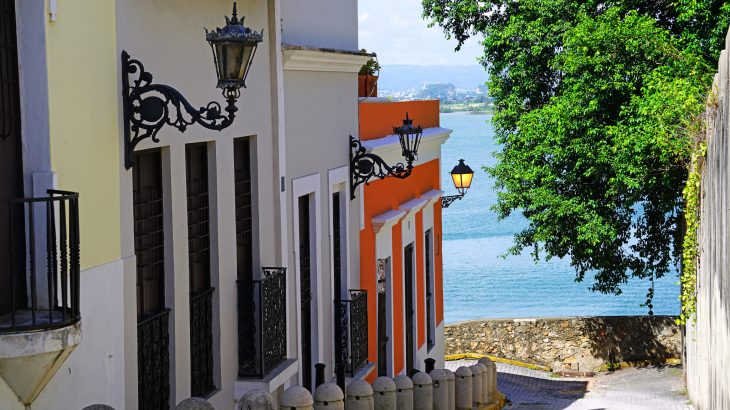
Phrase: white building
x=172 y=250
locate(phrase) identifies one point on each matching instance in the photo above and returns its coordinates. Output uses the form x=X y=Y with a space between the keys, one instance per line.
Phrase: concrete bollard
x=194 y=403
x=476 y=386
x=257 y=400
x=491 y=375
x=422 y=391
x=359 y=396
x=329 y=396
x=452 y=389
x=463 y=388
x=404 y=392
x=486 y=397
x=297 y=397
x=384 y=396
x=440 y=380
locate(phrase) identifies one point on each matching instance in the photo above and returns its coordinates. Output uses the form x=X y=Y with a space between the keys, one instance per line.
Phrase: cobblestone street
x=659 y=388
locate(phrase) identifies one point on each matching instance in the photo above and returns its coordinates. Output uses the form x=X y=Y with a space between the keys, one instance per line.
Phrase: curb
x=459 y=356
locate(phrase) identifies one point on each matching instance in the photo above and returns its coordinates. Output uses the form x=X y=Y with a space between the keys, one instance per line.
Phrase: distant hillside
x=404 y=77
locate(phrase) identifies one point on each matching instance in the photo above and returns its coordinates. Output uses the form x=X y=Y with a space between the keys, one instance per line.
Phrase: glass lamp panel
x=234 y=57
x=248 y=50
x=462 y=182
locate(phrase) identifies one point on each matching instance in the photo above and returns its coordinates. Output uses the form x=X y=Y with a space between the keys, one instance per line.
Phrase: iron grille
x=353 y=317
x=201 y=343
x=50 y=267
x=270 y=333
x=153 y=362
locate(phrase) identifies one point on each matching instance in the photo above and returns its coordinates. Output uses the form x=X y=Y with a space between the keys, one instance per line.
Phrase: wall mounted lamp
x=462 y=175
x=147 y=106
x=365 y=165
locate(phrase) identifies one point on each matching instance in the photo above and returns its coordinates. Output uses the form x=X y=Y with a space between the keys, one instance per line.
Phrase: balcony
x=262 y=324
x=353 y=331
x=39 y=289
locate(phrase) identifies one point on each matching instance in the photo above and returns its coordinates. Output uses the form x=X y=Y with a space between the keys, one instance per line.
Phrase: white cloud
x=395 y=30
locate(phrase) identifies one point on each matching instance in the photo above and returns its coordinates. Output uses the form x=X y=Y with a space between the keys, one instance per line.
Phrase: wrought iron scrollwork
x=265 y=340
x=449 y=199
x=365 y=165
x=352 y=340
x=153 y=361
x=358 y=329
x=147 y=107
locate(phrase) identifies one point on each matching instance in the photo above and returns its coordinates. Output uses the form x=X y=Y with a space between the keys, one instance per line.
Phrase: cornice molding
x=296 y=59
x=387 y=219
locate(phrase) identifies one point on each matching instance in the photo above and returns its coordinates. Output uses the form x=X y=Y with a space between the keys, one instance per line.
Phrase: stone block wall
x=570 y=344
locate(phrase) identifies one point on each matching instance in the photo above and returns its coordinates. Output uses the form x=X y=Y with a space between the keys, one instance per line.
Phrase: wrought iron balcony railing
x=262 y=323
x=39 y=262
x=353 y=326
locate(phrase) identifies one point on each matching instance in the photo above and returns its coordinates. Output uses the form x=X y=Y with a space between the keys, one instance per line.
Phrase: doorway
x=408 y=306
x=12 y=217
x=383 y=268
x=305 y=283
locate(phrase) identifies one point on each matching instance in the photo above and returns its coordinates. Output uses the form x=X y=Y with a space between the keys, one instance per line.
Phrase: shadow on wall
x=645 y=340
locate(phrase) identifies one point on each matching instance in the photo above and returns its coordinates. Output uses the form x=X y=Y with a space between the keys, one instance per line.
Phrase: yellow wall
x=83 y=104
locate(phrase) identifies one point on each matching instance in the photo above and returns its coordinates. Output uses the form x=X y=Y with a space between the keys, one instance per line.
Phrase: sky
x=395 y=30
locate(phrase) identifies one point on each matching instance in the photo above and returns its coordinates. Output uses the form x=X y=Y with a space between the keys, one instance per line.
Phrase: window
x=430 y=305
x=201 y=291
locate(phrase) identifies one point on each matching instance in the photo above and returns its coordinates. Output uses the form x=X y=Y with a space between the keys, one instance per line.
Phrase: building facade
x=400 y=241
x=214 y=262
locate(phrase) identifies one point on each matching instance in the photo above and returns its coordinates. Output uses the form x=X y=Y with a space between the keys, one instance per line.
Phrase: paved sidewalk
x=646 y=388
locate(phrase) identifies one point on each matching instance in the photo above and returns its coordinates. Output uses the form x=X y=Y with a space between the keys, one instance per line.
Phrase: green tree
x=594 y=109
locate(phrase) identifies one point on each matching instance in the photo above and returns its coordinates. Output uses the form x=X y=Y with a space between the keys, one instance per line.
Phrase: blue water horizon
x=480 y=283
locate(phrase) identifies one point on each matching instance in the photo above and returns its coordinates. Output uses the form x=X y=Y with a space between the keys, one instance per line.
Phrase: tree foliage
x=594 y=109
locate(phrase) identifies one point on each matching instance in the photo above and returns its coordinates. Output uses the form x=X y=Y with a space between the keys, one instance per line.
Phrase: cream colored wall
x=84 y=132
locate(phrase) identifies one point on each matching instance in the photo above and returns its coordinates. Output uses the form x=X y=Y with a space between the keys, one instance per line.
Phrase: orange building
x=400 y=241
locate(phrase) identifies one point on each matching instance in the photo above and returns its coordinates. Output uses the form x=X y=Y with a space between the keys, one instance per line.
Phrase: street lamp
x=147 y=106
x=462 y=175
x=365 y=165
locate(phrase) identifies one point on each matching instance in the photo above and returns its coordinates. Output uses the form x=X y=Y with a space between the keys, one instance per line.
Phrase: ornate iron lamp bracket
x=365 y=165
x=449 y=199
x=147 y=107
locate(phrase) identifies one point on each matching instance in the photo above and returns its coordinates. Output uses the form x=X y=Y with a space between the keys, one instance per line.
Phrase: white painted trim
x=432 y=196
x=337 y=181
x=389 y=148
x=387 y=219
x=320 y=60
x=309 y=185
x=414 y=205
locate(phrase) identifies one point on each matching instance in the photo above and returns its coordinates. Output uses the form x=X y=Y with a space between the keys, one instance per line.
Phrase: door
x=382 y=319
x=341 y=314
x=12 y=243
x=247 y=342
x=305 y=283
x=409 y=311
x=153 y=360
x=201 y=291
x=430 y=325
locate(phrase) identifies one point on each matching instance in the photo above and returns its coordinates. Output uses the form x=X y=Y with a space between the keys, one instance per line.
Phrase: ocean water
x=479 y=283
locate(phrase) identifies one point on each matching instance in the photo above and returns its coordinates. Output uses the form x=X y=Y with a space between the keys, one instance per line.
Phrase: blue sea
x=479 y=283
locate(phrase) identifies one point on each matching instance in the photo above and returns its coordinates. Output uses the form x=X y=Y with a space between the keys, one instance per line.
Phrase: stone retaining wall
x=570 y=344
